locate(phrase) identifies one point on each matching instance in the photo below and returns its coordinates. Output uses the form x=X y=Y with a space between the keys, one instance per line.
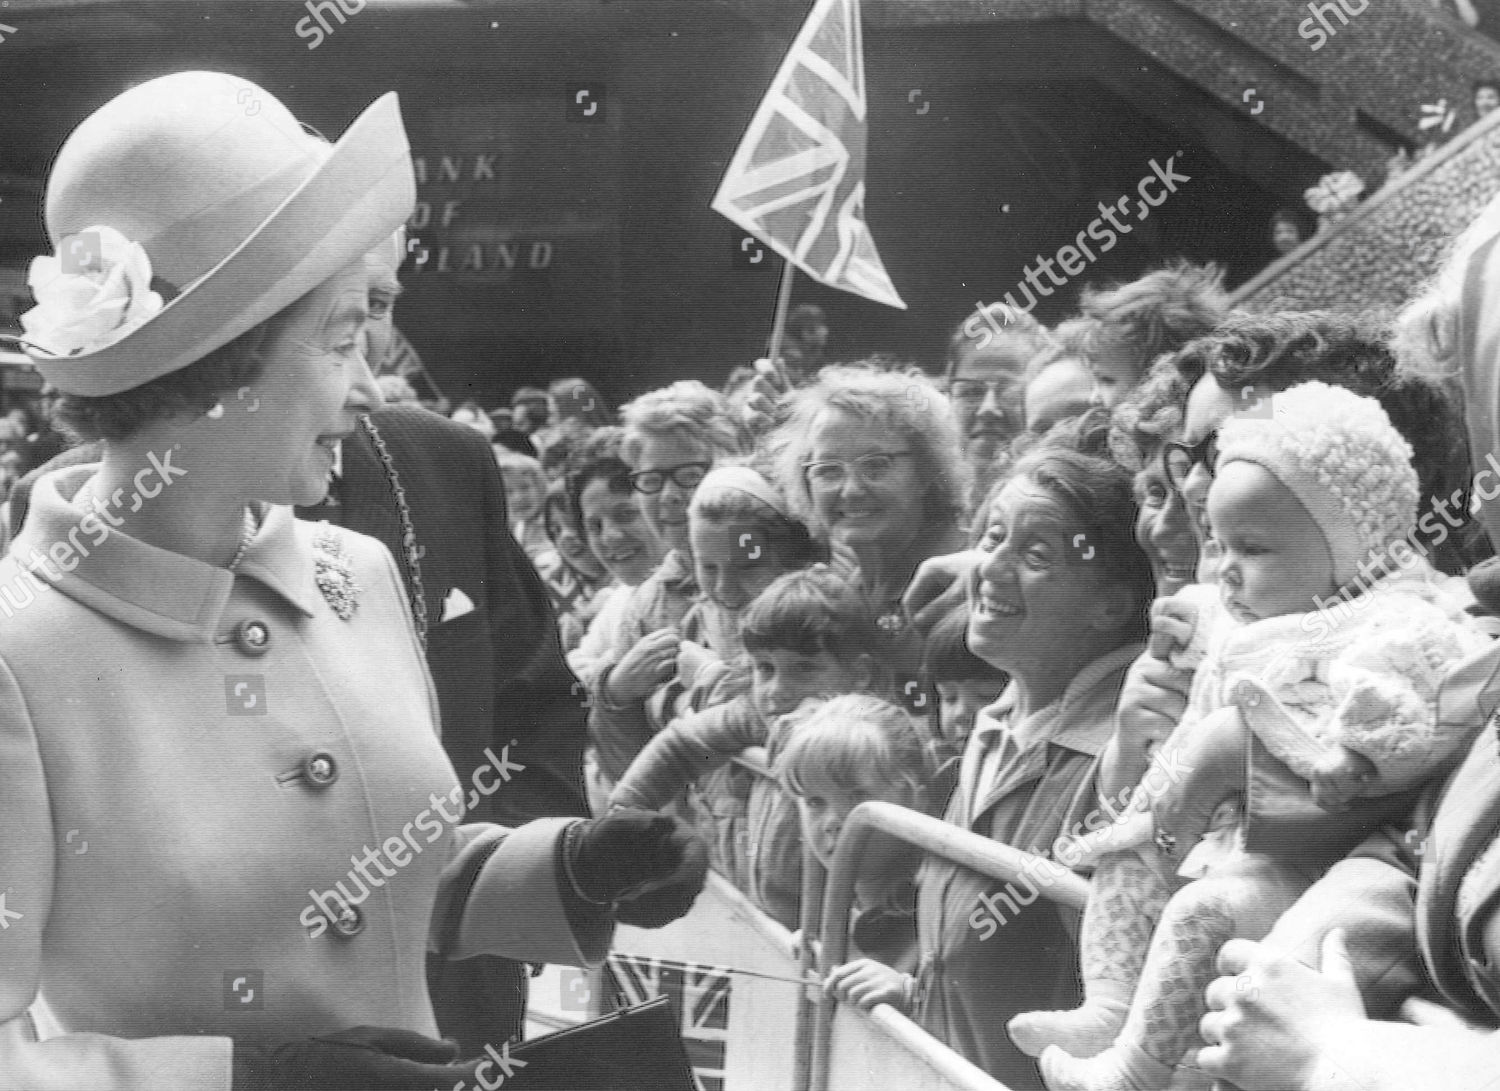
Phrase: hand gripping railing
x=952 y=843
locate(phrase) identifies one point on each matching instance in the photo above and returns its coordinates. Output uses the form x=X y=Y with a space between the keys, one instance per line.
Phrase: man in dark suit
x=492 y=644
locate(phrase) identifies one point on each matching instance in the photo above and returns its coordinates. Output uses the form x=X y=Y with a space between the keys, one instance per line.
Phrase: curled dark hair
x=1100 y=494
x=597 y=459
x=1149 y=415
x=1277 y=351
x=193 y=389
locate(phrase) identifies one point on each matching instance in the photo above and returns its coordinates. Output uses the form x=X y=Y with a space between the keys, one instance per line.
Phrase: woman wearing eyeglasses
x=673 y=437
x=870 y=460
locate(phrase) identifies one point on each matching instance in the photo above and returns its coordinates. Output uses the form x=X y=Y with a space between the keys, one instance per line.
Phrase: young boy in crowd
x=809 y=634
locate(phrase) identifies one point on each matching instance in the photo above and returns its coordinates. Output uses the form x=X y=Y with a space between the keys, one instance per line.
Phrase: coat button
x=350 y=921
x=320 y=770
x=253 y=637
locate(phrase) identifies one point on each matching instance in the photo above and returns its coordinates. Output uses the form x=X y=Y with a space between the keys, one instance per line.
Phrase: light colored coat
x=161 y=838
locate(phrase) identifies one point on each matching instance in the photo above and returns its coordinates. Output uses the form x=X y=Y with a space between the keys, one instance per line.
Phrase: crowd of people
x=1206 y=564
x=1198 y=603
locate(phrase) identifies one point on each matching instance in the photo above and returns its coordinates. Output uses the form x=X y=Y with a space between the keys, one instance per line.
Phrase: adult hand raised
x=1274 y=1023
x=939 y=587
x=650 y=662
x=360 y=1059
x=770 y=385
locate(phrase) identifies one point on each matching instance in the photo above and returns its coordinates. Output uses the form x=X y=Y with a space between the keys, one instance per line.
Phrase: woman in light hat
x=230 y=830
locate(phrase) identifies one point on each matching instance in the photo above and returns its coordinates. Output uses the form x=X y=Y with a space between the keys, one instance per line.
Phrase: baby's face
x=1274 y=559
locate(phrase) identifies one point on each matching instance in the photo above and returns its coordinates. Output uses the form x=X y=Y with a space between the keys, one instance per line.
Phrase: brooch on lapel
x=334 y=573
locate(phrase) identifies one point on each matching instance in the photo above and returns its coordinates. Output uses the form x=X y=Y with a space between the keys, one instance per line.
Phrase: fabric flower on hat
x=106 y=298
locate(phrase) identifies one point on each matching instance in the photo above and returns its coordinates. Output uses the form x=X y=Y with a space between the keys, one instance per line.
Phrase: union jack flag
x=700 y=995
x=797 y=180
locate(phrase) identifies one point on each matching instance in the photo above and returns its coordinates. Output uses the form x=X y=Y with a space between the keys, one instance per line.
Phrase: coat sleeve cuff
x=516 y=908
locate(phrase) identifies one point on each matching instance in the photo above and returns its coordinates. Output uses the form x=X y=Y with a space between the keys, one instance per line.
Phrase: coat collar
x=153 y=589
x=1071 y=720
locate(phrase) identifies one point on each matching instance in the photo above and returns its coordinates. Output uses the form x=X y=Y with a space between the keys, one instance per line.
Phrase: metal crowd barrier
x=963 y=847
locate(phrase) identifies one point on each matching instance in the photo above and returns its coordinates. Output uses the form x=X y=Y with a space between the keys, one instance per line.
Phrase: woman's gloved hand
x=650 y=866
x=360 y=1059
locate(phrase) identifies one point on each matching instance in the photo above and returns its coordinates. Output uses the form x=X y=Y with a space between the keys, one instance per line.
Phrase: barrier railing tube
x=963 y=847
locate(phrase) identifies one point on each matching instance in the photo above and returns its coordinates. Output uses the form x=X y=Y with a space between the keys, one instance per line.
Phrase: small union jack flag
x=700 y=995
x=797 y=180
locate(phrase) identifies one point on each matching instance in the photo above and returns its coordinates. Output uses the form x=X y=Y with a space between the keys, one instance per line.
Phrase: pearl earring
x=216 y=412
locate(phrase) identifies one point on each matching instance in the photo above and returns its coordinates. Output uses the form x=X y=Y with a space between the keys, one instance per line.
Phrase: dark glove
x=651 y=866
x=361 y=1059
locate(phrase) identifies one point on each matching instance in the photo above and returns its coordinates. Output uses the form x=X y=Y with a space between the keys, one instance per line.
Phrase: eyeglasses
x=976 y=390
x=685 y=475
x=872 y=469
x=1179 y=459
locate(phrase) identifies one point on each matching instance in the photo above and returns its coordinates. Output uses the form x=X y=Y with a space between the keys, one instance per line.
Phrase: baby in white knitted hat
x=1320 y=663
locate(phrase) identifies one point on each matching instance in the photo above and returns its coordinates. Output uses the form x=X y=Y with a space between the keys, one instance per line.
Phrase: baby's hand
x=865 y=983
x=1340 y=777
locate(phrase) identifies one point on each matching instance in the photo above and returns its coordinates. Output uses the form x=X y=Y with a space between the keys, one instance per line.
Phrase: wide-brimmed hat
x=192 y=208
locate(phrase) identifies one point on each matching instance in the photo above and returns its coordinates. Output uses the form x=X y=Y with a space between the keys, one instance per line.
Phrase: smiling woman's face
x=1032 y=596
x=308 y=397
x=887 y=511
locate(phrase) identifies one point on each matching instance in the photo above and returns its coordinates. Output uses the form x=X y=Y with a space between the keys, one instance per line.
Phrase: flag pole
x=783 y=299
